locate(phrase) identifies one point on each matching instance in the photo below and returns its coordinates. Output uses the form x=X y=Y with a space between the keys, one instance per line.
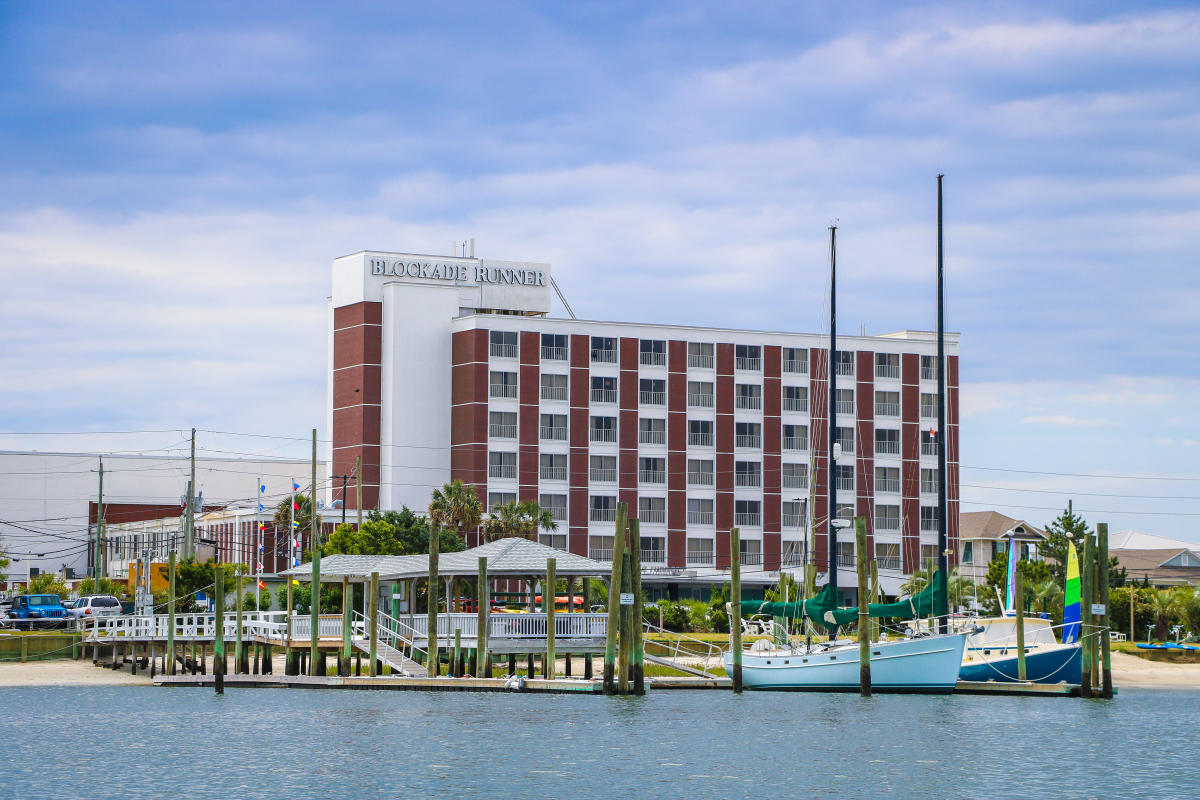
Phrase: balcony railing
x=604 y=356
x=929 y=448
x=554 y=353
x=652 y=476
x=845 y=368
x=700 y=479
x=747 y=479
x=602 y=514
x=748 y=440
x=795 y=366
x=794 y=482
x=929 y=373
x=795 y=404
x=503 y=390
x=654 y=556
x=845 y=406
x=650 y=359
x=748 y=363
x=751 y=558
x=929 y=487
x=700 y=361
x=700 y=400
x=502 y=471
x=600 y=553
x=750 y=519
x=887 y=409
x=655 y=516
x=500 y=431
x=847 y=446
x=794 y=443
x=553 y=474
x=700 y=517
x=929 y=525
x=846 y=560
x=887 y=448
x=603 y=435
x=554 y=393
x=652 y=437
x=604 y=395
x=554 y=433
x=700 y=439
x=887 y=370
x=929 y=411
x=652 y=398
x=792 y=558
x=791 y=520
x=887 y=523
x=748 y=401
x=890 y=486
x=603 y=475
x=888 y=562
x=503 y=350
x=700 y=558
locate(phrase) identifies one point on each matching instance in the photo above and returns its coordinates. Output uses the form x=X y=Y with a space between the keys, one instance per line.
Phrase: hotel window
x=747 y=512
x=792 y=514
x=887 y=517
x=887 y=404
x=556 y=504
x=700 y=355
x=554 y=427
x=929 y=481
x=552 y=466
x=603 y=469
x=700 y=552
x=604 y=390
x=652 y=353
x=928 y=443
x=700 y=394
x=845 y=554
x=887 y=479
x=747 y=357
x=652 y=431
x=602 y=508
x=795 y=437
x=750 y=551
x=968 y=552
x=929 y=518
x=845 y=437
x=654 y=550
x=554 y=347
x=604 y=350
x=503 y=344
x=795 y=398
x=652 y=470
x=603 y=429
x=929 y=368
x=556 y=540
x=554 y=387
x=502 y=424
x=845 y=363
x=497 y=499
x=699 y=472
x=887 y=365
x=795 y=360
x=846 y=511
x=795 y=476
x=747 y=434
x=502 y=465
x=929 y=553
x=652 y=510
x=747 y=473
x=699 y=511
x=845 y=401
x=652 y=392
x=845 y=477
x=887 y=442
x=887 y=555
x=700 y=432
x=929 y=406
x=503 y=384
x=748 y=396
x=793 y=554
x=600 y=548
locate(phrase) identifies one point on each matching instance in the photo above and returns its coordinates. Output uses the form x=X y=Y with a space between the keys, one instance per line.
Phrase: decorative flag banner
x=295 y=523
x=295 y=486
x=298 y=583
x=295 y=543
x=262 y=585
x=296 y=563
x=1071 y=598
x=295 y=506
x=1010 y=609
x=260 y=566
x=262 y=488
x=262 y=526
x=261 y=507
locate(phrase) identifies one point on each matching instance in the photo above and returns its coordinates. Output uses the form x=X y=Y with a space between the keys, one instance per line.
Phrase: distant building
x=1164 y=562
x=984 y=534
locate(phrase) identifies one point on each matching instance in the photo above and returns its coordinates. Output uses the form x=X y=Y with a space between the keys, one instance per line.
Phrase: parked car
x=95 y=605
x=37 y=611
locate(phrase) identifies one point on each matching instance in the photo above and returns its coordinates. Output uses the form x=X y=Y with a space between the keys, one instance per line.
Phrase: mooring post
x=482 y=602
x=314 y=609
x=529 y=670
x=635 y=575
x=735 y=605
x=219 y=629
x=238 y=667
x=456 y=664
x=344 y=659
x=1019 y=605
x=1086 y=630
x=614 y=600
x=1106 y=685
x=548 y=608
x=864 y=611
x=433 y=668
x=170 y=667
x=373 y=625
x=625 y=652
x=290 y=664
x=874 y=595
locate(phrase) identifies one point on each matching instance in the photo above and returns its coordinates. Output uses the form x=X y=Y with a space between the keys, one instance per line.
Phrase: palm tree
x=960 y=588
x=916 y=582
x=522 y=519
x=1045 y=594
x=455 y=507
x=1166 y=604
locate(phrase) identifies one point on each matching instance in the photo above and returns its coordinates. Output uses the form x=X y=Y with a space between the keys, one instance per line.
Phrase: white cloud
x=1066 y=420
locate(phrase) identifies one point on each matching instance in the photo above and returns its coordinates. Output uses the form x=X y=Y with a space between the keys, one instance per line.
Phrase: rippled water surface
x=141 y=742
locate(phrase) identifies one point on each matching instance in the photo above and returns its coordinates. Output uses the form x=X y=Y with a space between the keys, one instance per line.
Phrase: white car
x=95 y=605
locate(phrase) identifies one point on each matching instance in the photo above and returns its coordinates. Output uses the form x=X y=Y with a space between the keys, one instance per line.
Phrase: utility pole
x=97 y=568
x=189 y=550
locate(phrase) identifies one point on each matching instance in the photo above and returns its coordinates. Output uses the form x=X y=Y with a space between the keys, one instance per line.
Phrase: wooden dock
x=1017 y=689
x=393 y=683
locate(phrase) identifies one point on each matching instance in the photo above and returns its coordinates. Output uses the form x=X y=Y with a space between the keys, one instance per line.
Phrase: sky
x=178 y=178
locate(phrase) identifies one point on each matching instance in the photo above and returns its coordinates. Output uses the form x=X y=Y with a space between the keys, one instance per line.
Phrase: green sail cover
x=823 y=609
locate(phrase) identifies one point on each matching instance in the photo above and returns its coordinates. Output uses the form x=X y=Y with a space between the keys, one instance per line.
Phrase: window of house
x=887 y=404
x=700 y=355
x=747 y=512
x=554 y=427
x=554 y=347
x=747 y=434
x=795 y=398
x=556 y=504
x=652 y=510
x=652 y=431
x=747 y=473
x=502 y=424
x=699 y=511
x=603 y=469
x=502 y=465
x=554 y=387
x=700 y=432
x=699 y=472
x=887 y=517
x=929 y=518
x=795 y=437
x=502 y=344
x=604 y=389
x=653 y=353
x=652 y=392
x=502 y=384
x=887 y=441
x=652 y=470
x=795 y=360
x=604 y=350
x=604 y=429
x=795 y=476
x=747 y=357
x=552 y=466
x=602 y=508
x=700 y=394
x=747 y=396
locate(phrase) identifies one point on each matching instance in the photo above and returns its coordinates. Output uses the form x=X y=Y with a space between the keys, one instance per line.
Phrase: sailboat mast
x=941 y=607
x=832 y=463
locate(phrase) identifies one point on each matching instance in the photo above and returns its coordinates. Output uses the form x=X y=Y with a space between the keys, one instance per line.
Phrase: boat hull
x=922 y=665
x=1047 y=664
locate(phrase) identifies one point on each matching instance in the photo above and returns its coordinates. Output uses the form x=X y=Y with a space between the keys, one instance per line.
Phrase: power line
x=1084 y=494
x=1082 y=475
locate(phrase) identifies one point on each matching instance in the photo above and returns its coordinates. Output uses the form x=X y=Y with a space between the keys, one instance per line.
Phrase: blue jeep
x=38 y=611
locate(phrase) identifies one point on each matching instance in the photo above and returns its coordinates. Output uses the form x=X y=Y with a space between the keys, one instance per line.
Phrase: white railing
x=700 y=479
x=683 y=649
x=604 y=474
x=748 y=401
x=795 y=404
x=554 y=392
x=553 y=433
x=700 y=439
x=553 y=473
x=554 y=353
x=747 y=440
x=652 y=436
x=748 y=363
x=747 y=479
x=502 y=431
x=603 y=435
x=652 y=515
x=604 y=356
x=887 y=409
x=887 y=448
x=652 y=476
x=700 y=360
x=652 y=398
x=887 y=370
x=502 y=390
x=530 y=625
x=498 y=350
x=267 y=624
x=653 y=359
x=700 y=557
x=795 y=443
x=700 y=517
x=699 y=400
x=795 y=366
x=604 y=395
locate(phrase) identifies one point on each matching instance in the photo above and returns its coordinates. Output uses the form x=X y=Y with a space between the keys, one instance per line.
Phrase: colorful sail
x=1010 y=609
x=1071 y=610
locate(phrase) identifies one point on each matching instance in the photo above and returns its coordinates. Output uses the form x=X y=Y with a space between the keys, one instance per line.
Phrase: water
x=145 y=742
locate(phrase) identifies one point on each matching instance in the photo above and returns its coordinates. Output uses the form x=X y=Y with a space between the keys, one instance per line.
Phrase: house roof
x=994 y=525
x=1140 y=540
x=1153 y=559
x=507 y=557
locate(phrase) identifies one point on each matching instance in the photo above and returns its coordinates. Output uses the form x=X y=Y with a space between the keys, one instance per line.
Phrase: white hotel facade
x=444 y=368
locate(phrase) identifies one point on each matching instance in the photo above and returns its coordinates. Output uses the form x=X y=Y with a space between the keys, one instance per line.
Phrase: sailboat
x=916 y=662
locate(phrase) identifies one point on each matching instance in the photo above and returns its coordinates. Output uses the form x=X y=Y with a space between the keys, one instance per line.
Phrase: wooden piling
x=482 y=609
x=433 y=667
x=735 y=605
x=635 y=575
x=238 y=652
x=864 y=600
x=1019 y=605
x=548 y=608
x=1085 y=615
x=512 y=663
x=219 y=629
x=529 y=670
x=614 y=600
x=290 y=663
x=373 y=625
x=344 y=658
x=314 y=609
x=1106 y=684
x=171 y=613
x=455 y=664
x=625 y=651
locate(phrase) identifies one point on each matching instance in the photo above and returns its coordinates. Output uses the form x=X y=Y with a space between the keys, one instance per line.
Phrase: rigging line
x=1082 y=475
x=90 y=433
x=1084 y=494
x=1087 y=510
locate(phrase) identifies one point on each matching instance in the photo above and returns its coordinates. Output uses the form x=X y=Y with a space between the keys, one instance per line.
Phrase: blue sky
x=179 y=177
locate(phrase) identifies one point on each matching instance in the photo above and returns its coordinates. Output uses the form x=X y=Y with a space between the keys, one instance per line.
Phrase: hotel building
x=444 y=368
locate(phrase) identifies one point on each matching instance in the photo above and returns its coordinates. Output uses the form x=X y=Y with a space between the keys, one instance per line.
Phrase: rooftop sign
x=456 y=273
